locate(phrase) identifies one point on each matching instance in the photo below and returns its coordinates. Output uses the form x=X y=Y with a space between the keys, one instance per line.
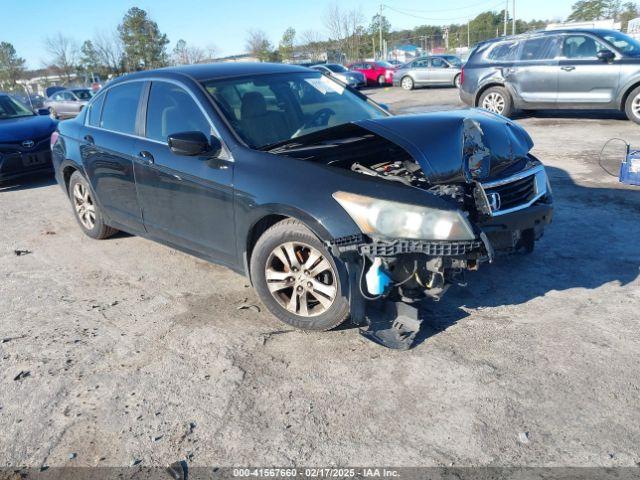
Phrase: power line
x=402 y=12
x=442 y=10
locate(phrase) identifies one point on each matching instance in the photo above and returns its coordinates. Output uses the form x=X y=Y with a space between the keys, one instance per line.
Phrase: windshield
x=269 y=109
x=11 y=108
x=82 y=94
x=624 y=43
x=336 y=68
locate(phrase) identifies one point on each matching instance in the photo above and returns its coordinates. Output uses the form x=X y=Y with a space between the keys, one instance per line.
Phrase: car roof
x=213 y=71
x=594 y=31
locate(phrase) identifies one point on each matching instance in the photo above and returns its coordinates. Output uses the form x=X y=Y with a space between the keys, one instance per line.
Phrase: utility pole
x=380 y=28
x=506 y=9
x=513 y=15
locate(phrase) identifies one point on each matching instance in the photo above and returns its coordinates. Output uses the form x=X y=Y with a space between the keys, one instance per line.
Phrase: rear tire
x=632 y=105
x=456 y=81
x=407 y=83
x=86 y=210
x=496 y=100
x=289 y=260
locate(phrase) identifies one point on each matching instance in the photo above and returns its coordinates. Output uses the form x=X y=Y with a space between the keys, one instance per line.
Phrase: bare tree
x=258 y=45
x=63 y=53
x=110 y=50
x=184 y=54
x=345 y=29
x=311 y=44
x=211 y=51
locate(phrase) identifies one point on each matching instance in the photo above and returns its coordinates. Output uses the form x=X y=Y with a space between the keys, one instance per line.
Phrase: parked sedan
x=68 y=103
x=434 y=70
x=24 y=139
x=319 y=196
x=353 y=79
x=376 y=73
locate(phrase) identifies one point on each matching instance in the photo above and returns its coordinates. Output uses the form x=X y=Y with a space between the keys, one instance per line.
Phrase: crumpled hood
x=457 y=145
x=16 y=130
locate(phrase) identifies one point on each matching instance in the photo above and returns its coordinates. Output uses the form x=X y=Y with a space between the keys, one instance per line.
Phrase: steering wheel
x=318 y=119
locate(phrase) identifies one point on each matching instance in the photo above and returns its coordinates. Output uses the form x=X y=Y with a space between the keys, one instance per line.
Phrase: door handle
x=147 y=156
x=568 y=69
x=89 y=139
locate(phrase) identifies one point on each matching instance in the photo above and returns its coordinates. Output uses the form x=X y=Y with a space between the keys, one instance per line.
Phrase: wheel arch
x=486 y=87
x=267 y=218
x=627 y=92
x=67 y=168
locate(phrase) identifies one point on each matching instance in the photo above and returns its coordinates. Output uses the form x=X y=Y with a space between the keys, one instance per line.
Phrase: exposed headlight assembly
x=402 y=220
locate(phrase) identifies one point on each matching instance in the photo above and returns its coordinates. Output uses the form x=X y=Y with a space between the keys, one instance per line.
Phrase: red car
x=376 y=73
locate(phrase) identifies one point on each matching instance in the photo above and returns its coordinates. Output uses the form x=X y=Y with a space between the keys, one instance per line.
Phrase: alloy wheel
x=494 y=102
x=85 y=208
x=301 y=279
x=407 y=83
x=635 y=106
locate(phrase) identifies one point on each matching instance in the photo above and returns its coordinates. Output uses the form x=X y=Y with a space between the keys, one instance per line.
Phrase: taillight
x=54 y=138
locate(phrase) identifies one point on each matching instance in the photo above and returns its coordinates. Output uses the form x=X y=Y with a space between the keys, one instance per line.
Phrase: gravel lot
x=124 y=350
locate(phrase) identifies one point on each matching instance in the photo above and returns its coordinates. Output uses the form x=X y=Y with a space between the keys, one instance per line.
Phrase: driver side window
x=172 y=110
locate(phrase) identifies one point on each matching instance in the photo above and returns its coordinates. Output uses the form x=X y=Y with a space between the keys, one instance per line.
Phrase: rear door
x=420 y=70
x=534 y=75
x=107 y=151
x=187 y=201
x=585 y=80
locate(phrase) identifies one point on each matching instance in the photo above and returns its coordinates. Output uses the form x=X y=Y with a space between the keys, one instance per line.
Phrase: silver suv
x=555 y=69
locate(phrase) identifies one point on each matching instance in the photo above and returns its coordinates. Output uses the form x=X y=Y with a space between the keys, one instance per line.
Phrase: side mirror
x=43 y=111
x=192 y=144
x=606 y=55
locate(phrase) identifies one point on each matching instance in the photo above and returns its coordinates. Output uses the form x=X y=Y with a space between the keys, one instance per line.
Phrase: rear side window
x=438 y=63
x=540 y=48
x=121 y=108
x=420 y=63
x=504 y=51
x=172 y=110
x=96 y=110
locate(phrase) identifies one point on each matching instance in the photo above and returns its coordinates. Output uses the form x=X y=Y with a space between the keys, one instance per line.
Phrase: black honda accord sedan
x=316 y=193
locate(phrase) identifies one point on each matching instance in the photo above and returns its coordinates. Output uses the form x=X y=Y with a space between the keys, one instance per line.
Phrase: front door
x=420 y=69
x=186 y=201
x=108 y=149
x=584 y=79
x=439 y=72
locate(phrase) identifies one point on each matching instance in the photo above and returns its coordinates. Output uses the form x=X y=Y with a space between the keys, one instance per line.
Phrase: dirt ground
x=123 y=351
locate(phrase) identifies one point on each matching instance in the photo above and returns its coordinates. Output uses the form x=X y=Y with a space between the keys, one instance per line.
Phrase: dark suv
x=555 y=69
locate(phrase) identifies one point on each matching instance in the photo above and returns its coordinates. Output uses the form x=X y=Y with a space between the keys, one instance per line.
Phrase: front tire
x=407 y=83
x=632 y=105
x=86 y=210
x=496 y=100
x=52 y=113
x=298 y=279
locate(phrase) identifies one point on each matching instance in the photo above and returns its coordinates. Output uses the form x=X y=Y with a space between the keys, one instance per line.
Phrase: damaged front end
x=494 y=199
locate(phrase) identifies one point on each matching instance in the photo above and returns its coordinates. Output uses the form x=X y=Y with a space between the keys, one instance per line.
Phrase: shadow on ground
x=28 y=181
x=591 y=242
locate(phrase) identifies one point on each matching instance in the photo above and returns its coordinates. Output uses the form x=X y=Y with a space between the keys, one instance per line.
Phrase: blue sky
x=224 y=22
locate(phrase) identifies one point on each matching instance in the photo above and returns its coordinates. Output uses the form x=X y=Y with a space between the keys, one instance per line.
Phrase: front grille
x=516 y=192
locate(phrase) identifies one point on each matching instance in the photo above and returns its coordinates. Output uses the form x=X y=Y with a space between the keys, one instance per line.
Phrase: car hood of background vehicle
x=26 y=128
x=457 y=145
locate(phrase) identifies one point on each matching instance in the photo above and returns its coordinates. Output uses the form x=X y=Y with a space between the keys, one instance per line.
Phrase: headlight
x=401 y=220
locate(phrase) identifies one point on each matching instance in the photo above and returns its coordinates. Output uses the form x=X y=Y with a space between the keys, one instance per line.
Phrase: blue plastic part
x=630 y=168
x=377 y=279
